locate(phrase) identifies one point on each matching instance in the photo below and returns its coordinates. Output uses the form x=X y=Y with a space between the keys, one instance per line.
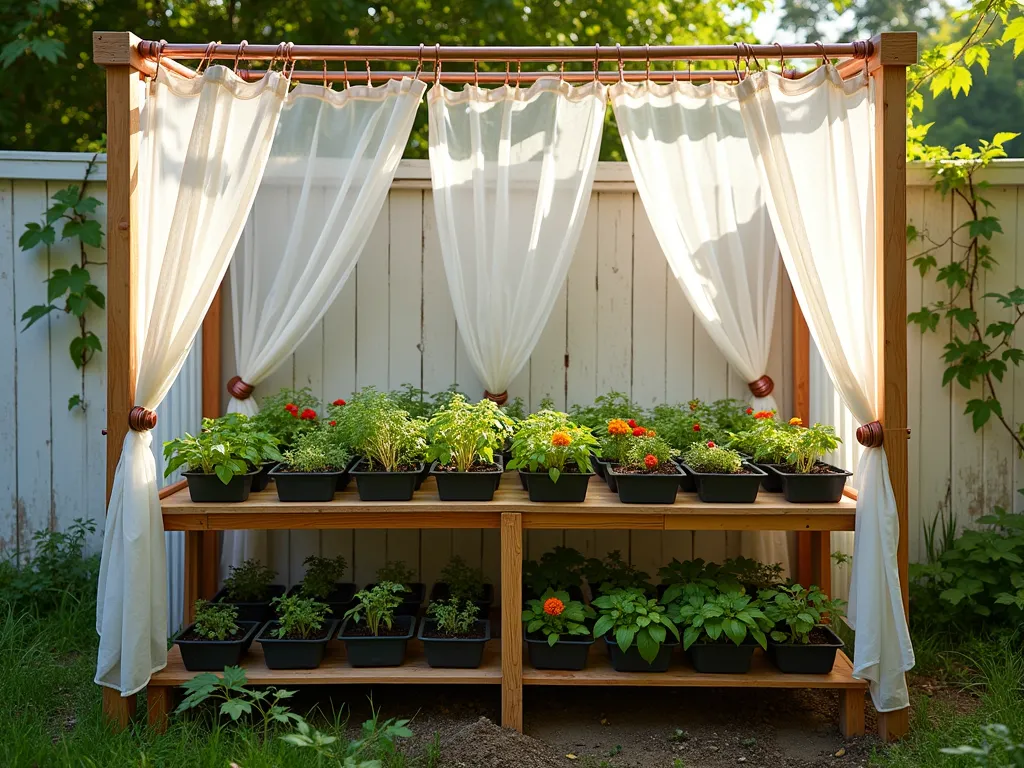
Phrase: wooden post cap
x=238 y=389
x=871 y=435
x=141 y=419
x=501 y=398
x=762 y=387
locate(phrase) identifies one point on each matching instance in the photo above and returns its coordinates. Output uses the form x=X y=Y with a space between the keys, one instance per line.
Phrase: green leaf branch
x=70 y=291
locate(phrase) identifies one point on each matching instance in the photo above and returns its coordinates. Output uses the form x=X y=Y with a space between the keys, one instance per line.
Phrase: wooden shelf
x=602 y=510
x=763 y=674
x=335 y=670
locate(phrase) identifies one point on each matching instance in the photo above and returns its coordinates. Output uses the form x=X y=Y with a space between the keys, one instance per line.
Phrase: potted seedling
x=721 y=476
x=216 y=469
x=800 y=641
x=215 y=639
x=767 y=442
x=460 y=580
x=613 y=445
x=323 y=582
x=310 y=470
x=752 y=575
x=414 y=591
x=681 y=426
x=463 y=445
x=805 y=478
x=257 y=446
x=638 y=632
x=553 y=455
x=611 y=573
x=646 y=473
x=250 y=588
x=558 y=631
x=287 y=414
x=391 y=444
x=338 y=436
x=373 y=635
x=298 y=639
x=558 y=570
x=721 y=627
x=452 y=635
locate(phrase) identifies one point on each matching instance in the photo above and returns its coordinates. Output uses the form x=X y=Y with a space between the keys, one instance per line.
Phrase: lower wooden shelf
x=335 y=670
x=763 y=674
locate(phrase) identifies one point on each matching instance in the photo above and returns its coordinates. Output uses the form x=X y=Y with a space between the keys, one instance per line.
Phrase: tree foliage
x=59 y=104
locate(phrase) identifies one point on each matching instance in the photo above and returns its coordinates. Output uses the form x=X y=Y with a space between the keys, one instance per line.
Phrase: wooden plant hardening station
x=886 y=57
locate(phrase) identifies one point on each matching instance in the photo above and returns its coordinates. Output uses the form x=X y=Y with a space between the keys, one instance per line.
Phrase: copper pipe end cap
x=141 y=419
x=762 y=387
x=871 y=435
x=238 y=389
x=501 y=398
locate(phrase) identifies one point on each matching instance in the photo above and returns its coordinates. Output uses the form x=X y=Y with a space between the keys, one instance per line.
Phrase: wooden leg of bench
x=159 y=702
x=193 y=574
x=893 y=725
x=117 y=711
x=851 y=712
x=511 y=620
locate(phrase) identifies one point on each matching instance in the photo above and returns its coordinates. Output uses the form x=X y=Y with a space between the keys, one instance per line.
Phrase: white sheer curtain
x=691 y=161
x=814 y=141
x=330 y=170
x=204 y=145
x=512 y=172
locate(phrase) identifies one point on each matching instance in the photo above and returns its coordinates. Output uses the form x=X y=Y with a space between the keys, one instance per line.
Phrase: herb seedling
x=548 y=441
x=795 y=611
x=633 y=617
x=464 y=581
x=396 y=571
x=462 y=435
x=377 y=606
x=249 y=582
x=299 y=616
x=712 y=459
x=215 y=621
x=455 y=618
x=322 y=574
x=715 y=616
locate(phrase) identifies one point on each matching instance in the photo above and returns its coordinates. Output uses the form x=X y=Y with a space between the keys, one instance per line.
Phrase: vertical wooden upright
x=894 y=52
x=802 y=409
x=511 y=620
x=212 y=390
x=116 y=52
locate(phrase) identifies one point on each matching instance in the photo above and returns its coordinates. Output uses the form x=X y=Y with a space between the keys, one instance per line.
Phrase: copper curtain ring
x=508 y=65
x=647 y=71
x=561 y=71
x=821 y=49
x=369 y=75
x=476 y=74
x=419 y=64
x=597 y=62
x=211 y=48
x=782 y=59
x=622 y=66
x=519 y=72
x=289 y=62
x=160 y=52
x=327 y=86
x=437 y=63
x=344 y=66
x=238 y=55
x=278 y=53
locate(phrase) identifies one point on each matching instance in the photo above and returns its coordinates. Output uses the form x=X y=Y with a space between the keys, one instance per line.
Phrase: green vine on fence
x=71 y=291
x=978 y=354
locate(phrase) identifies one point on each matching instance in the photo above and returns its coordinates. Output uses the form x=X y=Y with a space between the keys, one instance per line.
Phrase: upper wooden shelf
x=602 y=509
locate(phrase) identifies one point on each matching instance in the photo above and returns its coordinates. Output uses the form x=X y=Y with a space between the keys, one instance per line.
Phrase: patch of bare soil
x=483 y=744
x=947 y=694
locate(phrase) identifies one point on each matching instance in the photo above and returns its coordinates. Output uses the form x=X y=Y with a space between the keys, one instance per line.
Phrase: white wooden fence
x=621 y=323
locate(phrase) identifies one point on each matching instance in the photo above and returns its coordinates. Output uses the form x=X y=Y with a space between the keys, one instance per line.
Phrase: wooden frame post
x=894 y=52
x=511 y=620
x=116 y=52
x=212 y=389
x=801 y=351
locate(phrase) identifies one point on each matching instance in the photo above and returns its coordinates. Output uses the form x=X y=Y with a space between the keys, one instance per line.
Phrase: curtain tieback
x=239 y=389
x=762 y=387
x=501 y=398
x=871 y=435
x=141 y=419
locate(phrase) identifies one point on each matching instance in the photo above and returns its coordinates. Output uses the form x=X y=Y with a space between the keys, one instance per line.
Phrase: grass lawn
x=50 y=709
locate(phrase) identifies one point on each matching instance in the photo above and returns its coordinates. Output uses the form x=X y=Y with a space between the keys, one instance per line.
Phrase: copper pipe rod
x=859 y=49
x=499 y=78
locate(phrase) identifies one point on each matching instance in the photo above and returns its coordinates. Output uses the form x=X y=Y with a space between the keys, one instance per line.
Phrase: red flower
x=639 y=432
x=696 y=427
x=291 y=407
x=749 y=411
x=334 y=423
x=632 y=423
x=339 y=401
x=308 y=414
x=650 y=461
x=711 y=443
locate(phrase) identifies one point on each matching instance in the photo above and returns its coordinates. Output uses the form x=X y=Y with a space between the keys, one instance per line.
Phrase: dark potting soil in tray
x=474 y=468
x=370 y=467
x=362 y=630
x=637 y=471
x=818 y=469
x=474 y=634
x=192 y=635
x=328 y=471
x=819 y=636
x=271 y=633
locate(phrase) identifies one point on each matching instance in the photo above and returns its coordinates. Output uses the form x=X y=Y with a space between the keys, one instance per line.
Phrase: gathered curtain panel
x=695 y=174
x=512 y=172
x=813 y=142
x=204 y=144
x=330 y=170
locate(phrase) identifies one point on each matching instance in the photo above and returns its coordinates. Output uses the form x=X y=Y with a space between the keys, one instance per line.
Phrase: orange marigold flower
x=618 y=428
x=632 y=423
x=764 y=415
x=639 y=432
x=796 y=421
x=651 y=432
x=553 y=606
x=650 y=461
x=711 y=443
x=749 y=411
x=560 y=439
x=693 y=404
